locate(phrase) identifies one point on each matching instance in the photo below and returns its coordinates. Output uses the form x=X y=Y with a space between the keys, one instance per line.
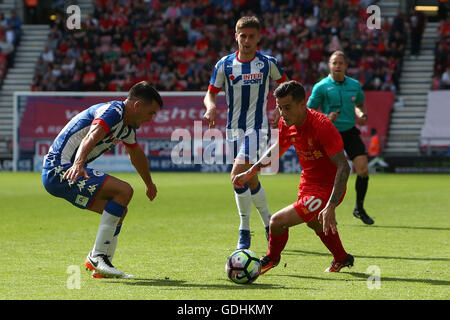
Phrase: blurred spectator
x=174 y=44
x=3 y=65
x=417 y=27
x=374 y=146
x=16 y=23
x=6 y=46
x=48 y=55
x=445 y=79
x=442 y=56
x=3 y=21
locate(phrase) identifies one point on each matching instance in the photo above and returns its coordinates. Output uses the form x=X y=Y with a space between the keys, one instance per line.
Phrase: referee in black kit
x=342 y=100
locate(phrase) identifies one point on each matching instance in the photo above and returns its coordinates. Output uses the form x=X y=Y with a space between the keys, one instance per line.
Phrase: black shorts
x=353 y=144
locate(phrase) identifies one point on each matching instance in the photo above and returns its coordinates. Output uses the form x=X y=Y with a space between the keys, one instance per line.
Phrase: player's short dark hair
x=248 y=22
x=293 y=88
x=144 y=91
x=338 y=53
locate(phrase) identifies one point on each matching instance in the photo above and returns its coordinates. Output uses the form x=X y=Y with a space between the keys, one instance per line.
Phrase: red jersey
x=315 y=141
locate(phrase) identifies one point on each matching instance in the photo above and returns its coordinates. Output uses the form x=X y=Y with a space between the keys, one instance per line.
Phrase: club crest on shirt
x=97 y=173
x=259 y=64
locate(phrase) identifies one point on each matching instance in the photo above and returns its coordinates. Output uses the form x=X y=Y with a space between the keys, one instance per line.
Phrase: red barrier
x=44 y=117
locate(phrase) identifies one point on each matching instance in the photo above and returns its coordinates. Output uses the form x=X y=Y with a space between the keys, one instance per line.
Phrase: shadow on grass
x=363 y=277
x=399 y=227
x=182 y=284
x=304 y=252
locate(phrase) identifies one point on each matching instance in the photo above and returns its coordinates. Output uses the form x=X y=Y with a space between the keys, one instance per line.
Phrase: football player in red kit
x=323 y=182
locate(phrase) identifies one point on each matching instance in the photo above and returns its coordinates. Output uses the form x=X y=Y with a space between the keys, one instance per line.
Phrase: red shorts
x=310 y=203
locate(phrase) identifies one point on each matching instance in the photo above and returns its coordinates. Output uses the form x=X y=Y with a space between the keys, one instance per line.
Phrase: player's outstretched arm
x=240 y=179
x=328 y=216
x=140 y=162
x=95 y=135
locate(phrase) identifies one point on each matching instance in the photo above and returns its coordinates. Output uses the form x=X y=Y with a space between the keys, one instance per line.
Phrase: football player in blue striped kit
x=87 y=136
x=245 y=77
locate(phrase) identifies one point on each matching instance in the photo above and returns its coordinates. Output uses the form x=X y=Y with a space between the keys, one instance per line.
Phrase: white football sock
x=244 y=204
x=260 y=201
x=112 y=248
x=107 y=228
x=113 y=245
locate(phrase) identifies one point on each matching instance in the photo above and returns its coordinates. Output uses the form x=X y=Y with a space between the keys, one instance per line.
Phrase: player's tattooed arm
x=342 y=173
x=327 y=217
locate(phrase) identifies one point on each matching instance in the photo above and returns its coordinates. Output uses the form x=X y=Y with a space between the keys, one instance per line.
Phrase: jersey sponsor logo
x=247 y=79
x=310 y=155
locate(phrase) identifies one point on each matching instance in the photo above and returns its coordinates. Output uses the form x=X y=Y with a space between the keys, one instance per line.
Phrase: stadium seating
x=175 y=44
x=10 y=35
x=441 y=77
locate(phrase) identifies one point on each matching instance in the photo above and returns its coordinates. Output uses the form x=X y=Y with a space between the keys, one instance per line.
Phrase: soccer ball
x=243 y=266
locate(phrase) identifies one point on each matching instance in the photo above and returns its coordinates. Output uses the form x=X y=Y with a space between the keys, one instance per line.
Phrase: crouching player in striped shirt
x=245 y=76
x=87 y=136
x=323 y=181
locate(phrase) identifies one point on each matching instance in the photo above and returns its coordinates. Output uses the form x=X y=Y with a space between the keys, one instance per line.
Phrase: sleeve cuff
x=213 y=89
x=134 y=145
x=282 y=79
x=102 y=123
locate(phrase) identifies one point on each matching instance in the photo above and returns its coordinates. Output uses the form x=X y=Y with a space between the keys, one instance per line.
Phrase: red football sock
x=333 y=243
x=277 y=244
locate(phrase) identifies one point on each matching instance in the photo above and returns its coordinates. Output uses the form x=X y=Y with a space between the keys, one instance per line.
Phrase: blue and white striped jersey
x=246 y=85
x=109 y=115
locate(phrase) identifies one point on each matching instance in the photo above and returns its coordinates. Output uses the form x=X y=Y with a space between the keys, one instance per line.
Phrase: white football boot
x=101 y=265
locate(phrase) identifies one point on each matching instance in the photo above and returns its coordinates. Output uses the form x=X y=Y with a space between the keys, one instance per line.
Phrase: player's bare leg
x=111 y=201
x=362 y=170
x=278 y=236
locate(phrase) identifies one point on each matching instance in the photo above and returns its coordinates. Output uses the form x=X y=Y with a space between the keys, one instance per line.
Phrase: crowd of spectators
x=175 y=44
x=10 y=32
x=441 y=77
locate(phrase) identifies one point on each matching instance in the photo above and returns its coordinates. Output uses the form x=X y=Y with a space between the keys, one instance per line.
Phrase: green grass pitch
x=177 y=245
